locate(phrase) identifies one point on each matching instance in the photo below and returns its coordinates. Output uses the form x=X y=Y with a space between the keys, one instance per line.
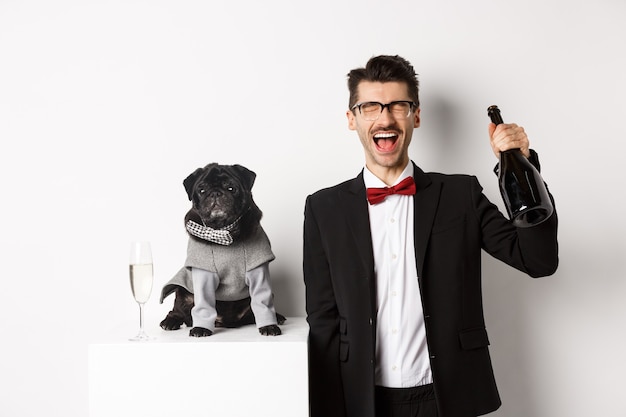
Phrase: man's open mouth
x=385 y=141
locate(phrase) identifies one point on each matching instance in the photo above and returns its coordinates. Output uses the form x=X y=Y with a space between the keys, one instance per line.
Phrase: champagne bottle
x=523 y=190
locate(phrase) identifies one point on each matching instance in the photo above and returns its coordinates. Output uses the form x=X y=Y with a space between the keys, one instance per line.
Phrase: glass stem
x=141 y=317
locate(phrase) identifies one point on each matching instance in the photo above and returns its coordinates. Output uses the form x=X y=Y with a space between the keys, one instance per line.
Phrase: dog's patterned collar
x=220 y=236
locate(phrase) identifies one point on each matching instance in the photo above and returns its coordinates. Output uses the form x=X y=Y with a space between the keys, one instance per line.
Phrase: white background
x=106 y=106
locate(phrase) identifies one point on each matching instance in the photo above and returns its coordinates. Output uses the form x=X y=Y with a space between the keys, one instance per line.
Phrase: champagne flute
x=140 y=268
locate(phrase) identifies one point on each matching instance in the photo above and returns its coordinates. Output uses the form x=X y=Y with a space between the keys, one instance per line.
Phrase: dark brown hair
x=384 y=68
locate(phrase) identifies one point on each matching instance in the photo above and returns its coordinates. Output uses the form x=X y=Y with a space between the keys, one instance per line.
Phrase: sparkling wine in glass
x=140 y=268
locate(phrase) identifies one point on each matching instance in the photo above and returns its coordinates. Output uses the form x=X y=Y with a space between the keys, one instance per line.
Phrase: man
x=393 y=287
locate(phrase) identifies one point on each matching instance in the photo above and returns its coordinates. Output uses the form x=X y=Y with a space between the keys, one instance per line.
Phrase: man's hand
x=508 y=136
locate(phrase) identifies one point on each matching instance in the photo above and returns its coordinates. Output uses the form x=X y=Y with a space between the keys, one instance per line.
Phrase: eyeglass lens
x=372 y=110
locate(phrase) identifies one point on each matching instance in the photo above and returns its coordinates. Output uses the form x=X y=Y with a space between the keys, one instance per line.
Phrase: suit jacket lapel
x=354 y=207
x=425 y=206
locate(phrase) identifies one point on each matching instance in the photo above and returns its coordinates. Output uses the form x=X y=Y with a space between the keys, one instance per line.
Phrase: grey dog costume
x=240 y=270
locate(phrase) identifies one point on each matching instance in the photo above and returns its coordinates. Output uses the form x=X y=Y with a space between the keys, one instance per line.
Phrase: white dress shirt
x=402 y=358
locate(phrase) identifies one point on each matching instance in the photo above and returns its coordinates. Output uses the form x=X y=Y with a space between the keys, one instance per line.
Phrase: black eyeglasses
x=371 y=110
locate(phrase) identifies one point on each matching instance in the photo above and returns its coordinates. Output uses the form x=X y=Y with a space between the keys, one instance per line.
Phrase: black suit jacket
x=454 y=221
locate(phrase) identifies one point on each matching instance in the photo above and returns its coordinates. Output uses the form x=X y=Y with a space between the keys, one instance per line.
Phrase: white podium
x=233 y=373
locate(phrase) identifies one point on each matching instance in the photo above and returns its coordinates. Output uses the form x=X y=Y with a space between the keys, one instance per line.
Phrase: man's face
x=385 y=140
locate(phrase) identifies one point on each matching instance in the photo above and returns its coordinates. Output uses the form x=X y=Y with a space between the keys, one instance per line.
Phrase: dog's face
x=220 y=193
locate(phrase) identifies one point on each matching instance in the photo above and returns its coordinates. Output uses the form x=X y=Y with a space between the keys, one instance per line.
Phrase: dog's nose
x=215 y=193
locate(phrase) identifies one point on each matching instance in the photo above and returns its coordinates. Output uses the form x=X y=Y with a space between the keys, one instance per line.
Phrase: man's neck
x=388 y=175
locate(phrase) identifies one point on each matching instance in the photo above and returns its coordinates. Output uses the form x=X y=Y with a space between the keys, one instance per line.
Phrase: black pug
x=225 y=280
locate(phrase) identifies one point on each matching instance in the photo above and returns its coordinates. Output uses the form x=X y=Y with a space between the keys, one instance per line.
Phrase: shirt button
x=393 y=368
x=392 y=220
x=394 y=331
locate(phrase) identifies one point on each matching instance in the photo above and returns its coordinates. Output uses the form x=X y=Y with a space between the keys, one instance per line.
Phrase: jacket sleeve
x=325 y=383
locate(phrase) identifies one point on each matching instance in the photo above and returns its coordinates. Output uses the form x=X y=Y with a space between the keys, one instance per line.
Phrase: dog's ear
x=247 y=177
x=191 y=180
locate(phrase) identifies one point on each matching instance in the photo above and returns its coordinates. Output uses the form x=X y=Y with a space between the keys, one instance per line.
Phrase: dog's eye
x=201 y=190
x=231 y=189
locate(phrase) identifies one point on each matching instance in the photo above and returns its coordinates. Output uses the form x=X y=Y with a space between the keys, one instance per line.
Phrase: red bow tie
x=404 y=187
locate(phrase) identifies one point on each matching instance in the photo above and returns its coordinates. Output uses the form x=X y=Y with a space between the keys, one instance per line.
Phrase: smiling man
x=392 y=267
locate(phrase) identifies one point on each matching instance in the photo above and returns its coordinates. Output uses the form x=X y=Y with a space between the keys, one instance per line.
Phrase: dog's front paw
x=171 y=322
x=271 y=330
x=200 y=332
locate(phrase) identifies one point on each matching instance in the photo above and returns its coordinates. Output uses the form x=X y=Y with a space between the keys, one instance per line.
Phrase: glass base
x=141 y=337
